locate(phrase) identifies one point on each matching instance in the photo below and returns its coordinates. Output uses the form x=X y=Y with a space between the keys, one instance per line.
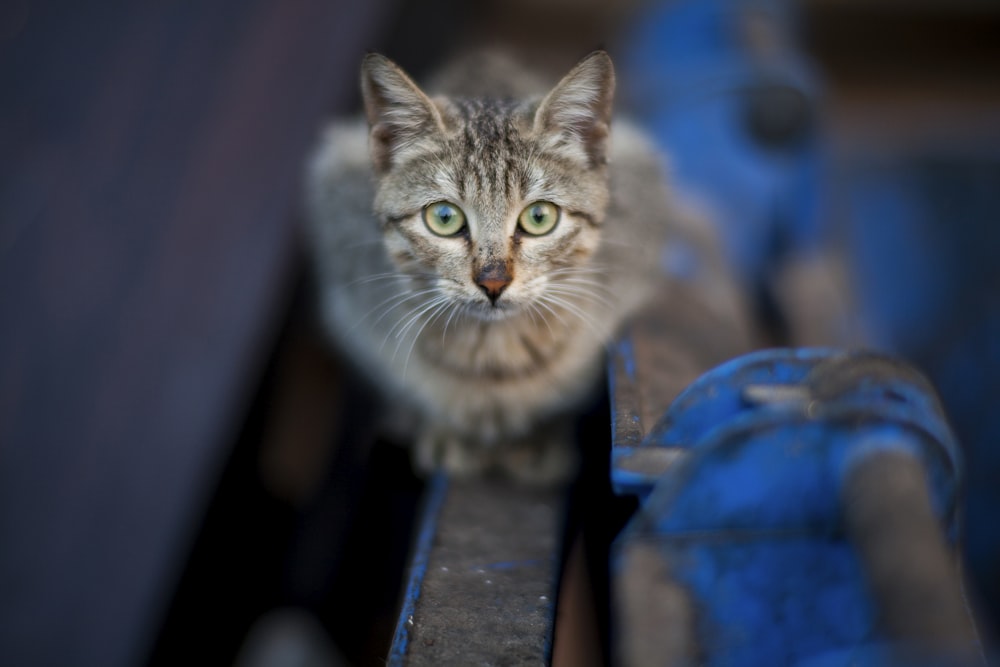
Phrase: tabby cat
x=477 y=249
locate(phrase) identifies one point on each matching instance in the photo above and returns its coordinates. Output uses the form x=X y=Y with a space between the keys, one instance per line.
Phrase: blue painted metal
x=917 y=222
x=718 y=399
x=750 y=520
x=922 y=234
x=725 y=90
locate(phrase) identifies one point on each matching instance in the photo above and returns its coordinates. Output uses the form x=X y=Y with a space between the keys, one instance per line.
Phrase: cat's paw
x=545 y=459
x=440 y=450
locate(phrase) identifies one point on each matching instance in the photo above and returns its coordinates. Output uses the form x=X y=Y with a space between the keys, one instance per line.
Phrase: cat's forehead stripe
x=493 y=151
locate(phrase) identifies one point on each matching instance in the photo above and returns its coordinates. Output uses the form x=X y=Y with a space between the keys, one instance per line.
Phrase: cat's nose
x=493 y=279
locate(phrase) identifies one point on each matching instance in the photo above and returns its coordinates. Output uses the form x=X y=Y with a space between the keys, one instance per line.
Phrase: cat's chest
x=491 y=377
x=507 y=351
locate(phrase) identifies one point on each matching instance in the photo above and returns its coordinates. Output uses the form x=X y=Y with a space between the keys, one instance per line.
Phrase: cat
x=477 y=248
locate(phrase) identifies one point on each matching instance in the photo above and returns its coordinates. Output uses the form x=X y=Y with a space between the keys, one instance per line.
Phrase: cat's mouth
x=493 y=311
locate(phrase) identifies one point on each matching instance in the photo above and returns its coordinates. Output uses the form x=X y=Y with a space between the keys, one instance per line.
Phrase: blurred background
x=180 y=457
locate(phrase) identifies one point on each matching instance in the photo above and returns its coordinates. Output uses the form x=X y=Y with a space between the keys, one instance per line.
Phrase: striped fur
x=491 y=384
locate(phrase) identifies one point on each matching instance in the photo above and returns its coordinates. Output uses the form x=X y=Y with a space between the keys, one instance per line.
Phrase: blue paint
x=690 y=74
x=749 y=520
x=714 y=408
x=623 y=480
x=918 y=289
x=436 y=493
x=626 y=353
x=783 y=472
x=756 y=587
x=717 y=395
x=920 y=227
x=918 y=223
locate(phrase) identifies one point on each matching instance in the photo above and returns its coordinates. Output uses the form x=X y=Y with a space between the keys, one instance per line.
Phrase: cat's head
x=493 y=201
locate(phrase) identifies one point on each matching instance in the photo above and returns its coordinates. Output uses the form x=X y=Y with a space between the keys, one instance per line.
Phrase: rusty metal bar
x=483 y=577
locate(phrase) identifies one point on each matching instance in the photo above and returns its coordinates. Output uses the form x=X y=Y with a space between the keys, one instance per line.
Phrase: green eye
x=539 y=218
x=444 y=219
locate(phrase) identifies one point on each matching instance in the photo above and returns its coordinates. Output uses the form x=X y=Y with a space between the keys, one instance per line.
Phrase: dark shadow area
x=335 y=550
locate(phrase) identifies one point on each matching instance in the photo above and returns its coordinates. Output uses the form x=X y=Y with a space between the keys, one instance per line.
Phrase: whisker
x=580 y=293
x=584 y=278
x=442 y=307
x=542 y=302
x=584 y=285
x=396 y=300
x=532 y=310
x=387 y=304
x=377 y=277
x=406 y=294
x=595 y=270
x=588 y=277
x=401 y=336
x=403 y=323
x=573 y=309
x=460 y=310
x=416 y=313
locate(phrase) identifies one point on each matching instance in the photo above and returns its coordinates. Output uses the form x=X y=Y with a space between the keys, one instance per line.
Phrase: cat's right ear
x=398 y=112
x=577 y=112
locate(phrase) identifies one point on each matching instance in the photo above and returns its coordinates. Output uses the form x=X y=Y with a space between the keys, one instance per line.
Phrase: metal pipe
x=913 y=574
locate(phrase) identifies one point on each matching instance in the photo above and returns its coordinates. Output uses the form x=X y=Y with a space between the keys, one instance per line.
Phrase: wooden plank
x=150 y=158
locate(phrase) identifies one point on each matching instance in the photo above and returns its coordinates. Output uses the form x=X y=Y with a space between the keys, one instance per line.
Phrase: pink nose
x=493 y=279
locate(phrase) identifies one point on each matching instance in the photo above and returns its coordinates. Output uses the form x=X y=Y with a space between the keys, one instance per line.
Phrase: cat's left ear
x=577 y=112
x=398 y=112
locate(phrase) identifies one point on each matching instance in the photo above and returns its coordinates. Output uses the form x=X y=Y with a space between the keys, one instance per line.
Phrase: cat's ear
x=398 y=112
x=577 y=112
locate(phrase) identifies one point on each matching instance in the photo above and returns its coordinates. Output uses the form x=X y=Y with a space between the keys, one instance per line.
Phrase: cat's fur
x=491 y=383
